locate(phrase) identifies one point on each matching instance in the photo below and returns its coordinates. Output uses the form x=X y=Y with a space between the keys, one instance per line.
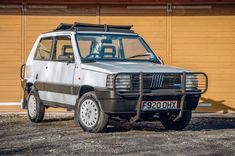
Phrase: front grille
x=157 y=81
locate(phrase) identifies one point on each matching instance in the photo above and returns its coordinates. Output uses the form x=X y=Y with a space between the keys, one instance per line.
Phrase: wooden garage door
x=42 y=19
x=204 y=40
x=10 y=58
x=149 y=23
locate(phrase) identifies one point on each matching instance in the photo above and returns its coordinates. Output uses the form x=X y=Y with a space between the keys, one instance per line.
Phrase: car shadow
x=216 y=105
x=140 y=126
x=196 y=124
x=208 y=123
x=57 y=119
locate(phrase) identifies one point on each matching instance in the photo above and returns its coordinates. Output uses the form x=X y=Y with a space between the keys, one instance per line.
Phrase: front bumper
x=114 y=101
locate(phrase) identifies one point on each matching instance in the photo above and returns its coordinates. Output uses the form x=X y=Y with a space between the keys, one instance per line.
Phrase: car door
x=60 y=89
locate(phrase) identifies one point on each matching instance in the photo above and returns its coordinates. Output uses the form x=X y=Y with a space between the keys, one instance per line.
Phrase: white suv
x=106 y=72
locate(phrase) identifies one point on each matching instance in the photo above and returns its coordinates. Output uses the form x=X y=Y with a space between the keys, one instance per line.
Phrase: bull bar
x=163 y=92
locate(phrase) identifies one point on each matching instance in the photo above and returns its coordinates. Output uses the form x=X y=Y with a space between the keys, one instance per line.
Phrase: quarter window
x=44 y=49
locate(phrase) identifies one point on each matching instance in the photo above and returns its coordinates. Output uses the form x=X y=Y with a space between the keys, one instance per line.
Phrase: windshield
x=113 y=47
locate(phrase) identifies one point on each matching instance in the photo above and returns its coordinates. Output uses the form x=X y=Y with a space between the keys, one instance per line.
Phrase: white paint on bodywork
x=60 y=98
x=112 y=67
x=95 y=73
x=93 y=78
x=30 y=62
x=60 y=72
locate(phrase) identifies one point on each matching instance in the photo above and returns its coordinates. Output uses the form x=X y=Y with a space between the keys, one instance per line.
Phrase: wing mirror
x=66 y=58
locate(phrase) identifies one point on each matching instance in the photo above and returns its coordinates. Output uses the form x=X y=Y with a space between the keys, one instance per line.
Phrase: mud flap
x=24 y=101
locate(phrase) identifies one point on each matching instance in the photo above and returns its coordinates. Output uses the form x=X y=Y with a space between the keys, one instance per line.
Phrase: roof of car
x=94 y=28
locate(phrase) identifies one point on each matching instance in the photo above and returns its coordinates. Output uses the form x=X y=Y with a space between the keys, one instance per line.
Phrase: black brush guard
x=182 y=91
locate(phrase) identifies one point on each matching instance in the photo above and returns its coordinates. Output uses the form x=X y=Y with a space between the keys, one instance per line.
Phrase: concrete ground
x=207 y=134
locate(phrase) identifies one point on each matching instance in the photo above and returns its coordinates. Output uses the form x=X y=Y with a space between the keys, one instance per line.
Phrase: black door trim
x=57 y=88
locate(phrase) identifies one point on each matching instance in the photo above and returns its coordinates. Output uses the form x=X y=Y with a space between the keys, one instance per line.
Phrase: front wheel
x=36 y=109
x=167 y=120
x=89 y=115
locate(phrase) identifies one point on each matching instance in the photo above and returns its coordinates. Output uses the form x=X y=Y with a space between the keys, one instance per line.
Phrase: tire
x=167 y=120
x=35 y=108
x=89 y=115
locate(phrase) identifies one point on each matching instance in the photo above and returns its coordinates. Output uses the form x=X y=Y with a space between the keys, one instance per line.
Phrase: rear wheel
x=36 y=109
x=167 y=120
x=89 y=115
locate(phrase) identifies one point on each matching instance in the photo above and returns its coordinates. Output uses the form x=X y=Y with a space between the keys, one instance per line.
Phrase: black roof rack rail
x=63 y=26
x=94 y=27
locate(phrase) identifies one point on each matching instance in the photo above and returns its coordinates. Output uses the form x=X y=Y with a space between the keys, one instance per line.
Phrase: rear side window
x=44 y=49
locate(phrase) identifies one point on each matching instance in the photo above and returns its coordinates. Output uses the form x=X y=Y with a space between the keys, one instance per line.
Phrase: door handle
x=46 y=67
x=36 y=76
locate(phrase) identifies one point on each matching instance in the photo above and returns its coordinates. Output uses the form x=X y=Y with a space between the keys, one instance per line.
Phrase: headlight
x=191 y=82
x=123 y=81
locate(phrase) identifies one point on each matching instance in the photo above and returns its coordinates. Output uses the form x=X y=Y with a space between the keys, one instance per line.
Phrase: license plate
x=159 y=105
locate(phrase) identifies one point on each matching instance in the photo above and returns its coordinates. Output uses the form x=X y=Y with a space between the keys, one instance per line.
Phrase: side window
x=63 y=49
x=44 y=49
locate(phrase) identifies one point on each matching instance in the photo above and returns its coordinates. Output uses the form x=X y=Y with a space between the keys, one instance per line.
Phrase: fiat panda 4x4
x=106 y=72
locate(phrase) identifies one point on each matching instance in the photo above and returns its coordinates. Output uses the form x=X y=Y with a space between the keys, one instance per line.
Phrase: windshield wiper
x=154 y=61
x=89 y=60
x=139 y=55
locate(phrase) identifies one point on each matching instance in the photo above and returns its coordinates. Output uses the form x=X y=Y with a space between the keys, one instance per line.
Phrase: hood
x=118 y=67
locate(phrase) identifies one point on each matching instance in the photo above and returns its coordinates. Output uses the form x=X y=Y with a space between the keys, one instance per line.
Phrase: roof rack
x=94 y=27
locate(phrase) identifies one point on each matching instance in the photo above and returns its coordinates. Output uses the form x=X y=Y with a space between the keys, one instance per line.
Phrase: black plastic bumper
x=113 y=103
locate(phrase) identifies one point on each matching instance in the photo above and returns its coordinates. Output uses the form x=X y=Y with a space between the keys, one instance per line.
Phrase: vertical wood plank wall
x=198 y=39
x=10 y=57
x=39 y=20
x=204 y=40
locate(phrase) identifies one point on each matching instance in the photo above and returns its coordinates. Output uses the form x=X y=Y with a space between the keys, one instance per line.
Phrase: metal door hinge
x=169 y=7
